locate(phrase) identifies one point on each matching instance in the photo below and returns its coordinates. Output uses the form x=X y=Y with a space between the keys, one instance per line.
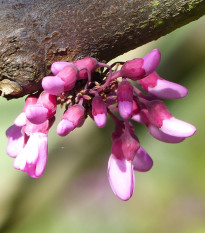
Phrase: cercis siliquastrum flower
x=88 y=87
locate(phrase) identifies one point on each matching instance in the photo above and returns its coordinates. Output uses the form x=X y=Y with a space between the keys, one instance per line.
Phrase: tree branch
x=35 y=33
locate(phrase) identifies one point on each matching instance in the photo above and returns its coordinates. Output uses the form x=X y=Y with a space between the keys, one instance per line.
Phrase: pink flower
x=32 y=156
x=120 y=166
x=126 y=157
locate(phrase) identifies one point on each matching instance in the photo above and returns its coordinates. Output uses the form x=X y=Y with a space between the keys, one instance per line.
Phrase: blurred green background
x=74 y=194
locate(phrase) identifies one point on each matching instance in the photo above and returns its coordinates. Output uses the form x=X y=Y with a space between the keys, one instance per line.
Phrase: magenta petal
x=161 y=136
x=65 y=127
x=142 y=162
x=125 y=109
x=36 y=114
x=15 y=140
x=168 y=90
x=56 y=67
x=53 y=85
x=177 y=128
x=20 y=119
x=100 y=120
x=151 y=61
x=121 y=177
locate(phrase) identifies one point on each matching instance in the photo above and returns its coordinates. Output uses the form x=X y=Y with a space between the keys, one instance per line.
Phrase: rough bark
x=35 y=33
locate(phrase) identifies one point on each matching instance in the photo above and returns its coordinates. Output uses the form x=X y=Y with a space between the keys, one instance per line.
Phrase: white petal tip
x=64 y=127
x=125 y=109
x=177 y=128
x=168 y=90
x=161 y=136
x=100 y=120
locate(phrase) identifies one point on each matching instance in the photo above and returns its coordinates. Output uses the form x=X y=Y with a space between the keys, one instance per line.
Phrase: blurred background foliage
x=74 y=194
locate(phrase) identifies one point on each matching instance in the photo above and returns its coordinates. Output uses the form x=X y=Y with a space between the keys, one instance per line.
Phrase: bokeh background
x=74 y=195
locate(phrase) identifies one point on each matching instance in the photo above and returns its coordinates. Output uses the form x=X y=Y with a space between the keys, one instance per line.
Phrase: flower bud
x=160 y=117
x=44 y=109
x=125 y=99
x=138 y=68
x=90 y=63
x=99 y=111
x=64 y=81
x=72 y=118
x=133 y=69
x=161 y=88
x=151 y=61
x=56 y=67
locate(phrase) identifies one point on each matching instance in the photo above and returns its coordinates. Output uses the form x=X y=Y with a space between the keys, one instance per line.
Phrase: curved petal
x=121 y=177
x=37 y=114
x=56 y=67
x=53 y=85
x=151 y=61
x=20 y=119
x=64 y=127
x=161 y=136
x=42 y=155
x=15 y=140
x=177 y=128
x=142 y=162
x=168 y=90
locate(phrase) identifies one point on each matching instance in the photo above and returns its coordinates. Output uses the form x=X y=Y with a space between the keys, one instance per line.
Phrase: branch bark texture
x=35 y=33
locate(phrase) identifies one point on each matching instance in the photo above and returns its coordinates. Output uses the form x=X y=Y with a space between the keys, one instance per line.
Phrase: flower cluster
x=88 y=87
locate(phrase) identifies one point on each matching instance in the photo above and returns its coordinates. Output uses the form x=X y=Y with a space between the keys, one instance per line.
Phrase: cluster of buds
x=90 y=88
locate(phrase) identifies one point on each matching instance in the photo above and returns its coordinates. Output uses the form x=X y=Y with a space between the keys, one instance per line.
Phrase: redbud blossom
x=84 y=90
